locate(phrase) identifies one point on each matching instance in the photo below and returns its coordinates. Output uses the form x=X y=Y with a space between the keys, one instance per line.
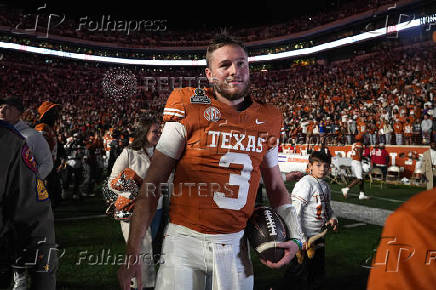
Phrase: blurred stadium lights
x=267 y=57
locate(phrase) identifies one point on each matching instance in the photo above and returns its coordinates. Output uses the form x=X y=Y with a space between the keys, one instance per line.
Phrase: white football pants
x=192 y=260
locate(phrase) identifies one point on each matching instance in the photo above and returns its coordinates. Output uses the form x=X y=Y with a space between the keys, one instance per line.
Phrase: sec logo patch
x=212 y=114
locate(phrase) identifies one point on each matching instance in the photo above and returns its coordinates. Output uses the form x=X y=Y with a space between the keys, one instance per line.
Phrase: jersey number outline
x=235 y=179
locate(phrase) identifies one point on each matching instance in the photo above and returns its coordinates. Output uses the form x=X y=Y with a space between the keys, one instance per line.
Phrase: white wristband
x=289 y=215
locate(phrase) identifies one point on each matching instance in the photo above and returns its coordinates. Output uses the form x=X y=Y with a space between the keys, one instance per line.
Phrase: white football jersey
x=311 y=198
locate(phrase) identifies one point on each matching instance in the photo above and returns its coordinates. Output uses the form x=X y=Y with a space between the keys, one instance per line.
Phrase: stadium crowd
x=386 y=96
x=382 y=97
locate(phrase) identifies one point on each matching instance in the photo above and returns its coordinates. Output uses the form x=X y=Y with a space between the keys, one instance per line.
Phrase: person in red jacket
x=380 y=158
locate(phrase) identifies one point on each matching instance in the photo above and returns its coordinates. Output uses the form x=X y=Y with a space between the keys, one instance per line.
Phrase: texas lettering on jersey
x=218 y=174
x=235 y=141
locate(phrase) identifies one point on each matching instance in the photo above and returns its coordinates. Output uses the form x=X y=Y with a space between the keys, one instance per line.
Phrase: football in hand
x=264 y=230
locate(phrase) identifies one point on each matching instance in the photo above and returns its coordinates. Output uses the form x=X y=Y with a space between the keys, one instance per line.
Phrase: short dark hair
x=220 y=40
x=13 y=101
x=319 y=156
x=141 y=128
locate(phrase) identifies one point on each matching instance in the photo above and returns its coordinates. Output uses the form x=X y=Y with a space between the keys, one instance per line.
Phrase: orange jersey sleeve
x=406 y=255
x=174 y=110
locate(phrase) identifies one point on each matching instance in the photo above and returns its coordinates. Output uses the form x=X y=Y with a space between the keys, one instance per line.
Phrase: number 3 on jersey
x=235 y=179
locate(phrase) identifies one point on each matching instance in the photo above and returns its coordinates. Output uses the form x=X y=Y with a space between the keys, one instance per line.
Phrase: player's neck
x=233 y=103
x=239 y=105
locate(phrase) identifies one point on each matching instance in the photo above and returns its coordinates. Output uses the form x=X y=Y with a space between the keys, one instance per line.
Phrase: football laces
x=270 y=223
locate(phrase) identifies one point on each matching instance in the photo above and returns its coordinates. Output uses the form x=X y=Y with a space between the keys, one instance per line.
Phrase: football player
x=220 y=143
x=356 y=168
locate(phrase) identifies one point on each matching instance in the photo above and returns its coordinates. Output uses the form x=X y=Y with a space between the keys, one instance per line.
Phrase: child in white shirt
x=311 y=199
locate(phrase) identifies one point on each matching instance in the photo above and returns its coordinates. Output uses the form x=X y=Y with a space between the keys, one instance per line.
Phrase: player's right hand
x=290 y=247
x=127 y=272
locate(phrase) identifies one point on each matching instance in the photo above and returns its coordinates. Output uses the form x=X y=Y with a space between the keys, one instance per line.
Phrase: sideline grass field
x=84 y=240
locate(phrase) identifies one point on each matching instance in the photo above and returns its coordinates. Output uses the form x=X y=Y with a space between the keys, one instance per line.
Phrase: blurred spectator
x=10 y=111
x=116 y=147
x=408 y=132
x=48 y=115
x=398 y=130
x=75 y=151
x=417 y=133
x=92 y=165
x=426 y=127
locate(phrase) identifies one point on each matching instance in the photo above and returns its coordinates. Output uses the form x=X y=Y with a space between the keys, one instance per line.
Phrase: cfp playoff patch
x=200 y=97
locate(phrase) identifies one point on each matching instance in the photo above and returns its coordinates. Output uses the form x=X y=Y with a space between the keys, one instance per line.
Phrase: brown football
x=264 y=229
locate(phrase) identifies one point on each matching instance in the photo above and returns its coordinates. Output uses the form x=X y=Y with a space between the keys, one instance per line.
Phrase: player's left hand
x=291 y=249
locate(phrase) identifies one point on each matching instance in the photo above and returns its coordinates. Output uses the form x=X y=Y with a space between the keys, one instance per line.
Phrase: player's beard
x=222 y=90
